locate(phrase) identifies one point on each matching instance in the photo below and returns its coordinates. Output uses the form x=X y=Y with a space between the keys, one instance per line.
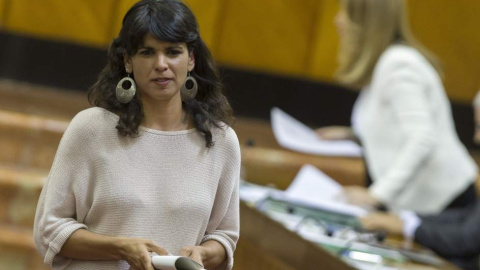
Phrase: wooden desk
x=283 y=248
x=267 y=245
x=278 y=167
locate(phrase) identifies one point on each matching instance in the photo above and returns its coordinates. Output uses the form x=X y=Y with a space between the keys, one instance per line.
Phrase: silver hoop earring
x=189 y=88
x=125 y=92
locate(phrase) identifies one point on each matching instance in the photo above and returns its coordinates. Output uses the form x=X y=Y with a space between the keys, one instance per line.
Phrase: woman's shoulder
x=93 y=116
x=91 y=120
x=225 y=134
x=403 y=61
x=399 y=55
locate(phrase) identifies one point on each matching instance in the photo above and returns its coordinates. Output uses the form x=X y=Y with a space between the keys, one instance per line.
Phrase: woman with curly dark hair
x=154 y=166
x=209 y=106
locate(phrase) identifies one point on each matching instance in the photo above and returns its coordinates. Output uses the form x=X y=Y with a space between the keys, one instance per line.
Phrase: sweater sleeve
x=57 y=212
x=407 y=95
x=224 y=223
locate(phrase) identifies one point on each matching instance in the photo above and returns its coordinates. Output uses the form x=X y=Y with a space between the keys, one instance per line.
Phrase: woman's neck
x=165 y=117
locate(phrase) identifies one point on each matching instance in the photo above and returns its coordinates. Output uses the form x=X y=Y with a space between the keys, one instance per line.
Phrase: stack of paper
x=311 y=186
x=294 y=135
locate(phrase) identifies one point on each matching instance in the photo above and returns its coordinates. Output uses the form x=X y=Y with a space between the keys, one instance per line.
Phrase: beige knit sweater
x=167 y=187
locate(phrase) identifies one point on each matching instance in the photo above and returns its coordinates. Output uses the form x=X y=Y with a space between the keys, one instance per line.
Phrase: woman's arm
x=57 y=216
x=224 y=224
x=86 y=245
x=215 y=254
x=451 y=234
x=406 y=95
x=59 y=232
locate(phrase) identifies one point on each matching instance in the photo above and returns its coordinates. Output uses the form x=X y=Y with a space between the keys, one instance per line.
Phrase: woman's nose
x=161 y=63
x=338 y=22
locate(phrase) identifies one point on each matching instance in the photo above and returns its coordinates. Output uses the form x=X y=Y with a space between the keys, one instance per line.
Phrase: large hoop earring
x=124 y=92
x=189 y=88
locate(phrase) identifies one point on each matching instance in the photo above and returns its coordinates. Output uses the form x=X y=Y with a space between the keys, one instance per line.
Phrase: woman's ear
x=128 y=63
x=191 y=61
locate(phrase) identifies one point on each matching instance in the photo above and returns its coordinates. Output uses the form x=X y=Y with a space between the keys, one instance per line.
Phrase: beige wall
x=276 y=36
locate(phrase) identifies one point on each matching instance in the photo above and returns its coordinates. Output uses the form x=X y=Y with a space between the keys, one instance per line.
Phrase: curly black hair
x=169 y=21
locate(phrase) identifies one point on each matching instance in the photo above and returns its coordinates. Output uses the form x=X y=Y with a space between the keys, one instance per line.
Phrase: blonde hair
x=373 y=26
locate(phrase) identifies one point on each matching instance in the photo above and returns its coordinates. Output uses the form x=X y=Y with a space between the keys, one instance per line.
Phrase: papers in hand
x=175 y=263
x=311 y=187
x=294 y=135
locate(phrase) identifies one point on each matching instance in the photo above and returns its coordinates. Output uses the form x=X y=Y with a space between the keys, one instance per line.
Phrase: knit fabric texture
x=167 y=187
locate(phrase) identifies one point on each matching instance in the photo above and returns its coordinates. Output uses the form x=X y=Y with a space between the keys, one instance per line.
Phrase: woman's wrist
x=213 y=253
x=85 y=245
x=113 y=246
x=120 y=249
x=206 y=252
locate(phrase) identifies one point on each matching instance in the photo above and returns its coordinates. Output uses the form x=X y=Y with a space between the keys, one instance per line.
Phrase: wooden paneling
x=85 y=22
x=17 y=250
x=209 y=18
x=119 y=12
x=272 y=167
x=324 y=45
x=249 y=256
x=450 y=30
x=269 y=35
x=278 y=36
x=281 y=246
x=275 y=36
x=58 y=104
x=2 y=11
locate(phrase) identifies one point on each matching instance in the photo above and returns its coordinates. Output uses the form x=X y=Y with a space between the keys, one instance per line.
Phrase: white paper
x=294 y=135
x=253 y=193
x=312 y=184
x=311 y=187
x=175 y=262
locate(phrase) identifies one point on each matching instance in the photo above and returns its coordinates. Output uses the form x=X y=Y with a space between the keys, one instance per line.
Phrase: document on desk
x=252 y=193
x=316 y=189
x=294 y=135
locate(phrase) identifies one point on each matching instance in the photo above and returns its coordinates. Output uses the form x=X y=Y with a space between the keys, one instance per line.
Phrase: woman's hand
x=196 y=253
x=390 y=223
x=211 y=254
x=136 y=252
x=335 y=133
x=360 y=196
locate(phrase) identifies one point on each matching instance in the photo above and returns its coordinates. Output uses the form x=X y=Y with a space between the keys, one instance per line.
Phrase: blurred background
x=271 y=53
x=280 y=52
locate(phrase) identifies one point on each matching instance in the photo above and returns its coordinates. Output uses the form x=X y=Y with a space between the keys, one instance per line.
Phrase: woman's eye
x=174 y=52
x=145 y=52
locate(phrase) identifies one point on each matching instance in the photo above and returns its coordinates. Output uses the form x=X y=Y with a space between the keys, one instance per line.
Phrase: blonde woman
x=454 y=234
x=476 y=113
x=402 y=116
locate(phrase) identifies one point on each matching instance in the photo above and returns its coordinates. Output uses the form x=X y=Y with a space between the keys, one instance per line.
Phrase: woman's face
x=160 y=68
x=476 y=137
x=341 y=20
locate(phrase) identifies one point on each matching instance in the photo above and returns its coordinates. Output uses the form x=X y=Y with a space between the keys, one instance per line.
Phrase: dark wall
x=251 y=94
x=49 y=63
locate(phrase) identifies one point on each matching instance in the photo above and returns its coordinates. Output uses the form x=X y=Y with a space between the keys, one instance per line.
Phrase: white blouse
x=405 y=123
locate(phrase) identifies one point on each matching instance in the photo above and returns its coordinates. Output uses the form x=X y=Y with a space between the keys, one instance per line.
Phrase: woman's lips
x=162 y=81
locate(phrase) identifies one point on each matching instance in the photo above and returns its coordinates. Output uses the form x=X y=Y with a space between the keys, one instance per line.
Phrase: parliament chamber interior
x=271 y=54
